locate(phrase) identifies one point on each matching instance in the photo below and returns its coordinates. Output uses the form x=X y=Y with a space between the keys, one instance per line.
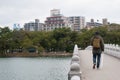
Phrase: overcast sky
x=23 y=11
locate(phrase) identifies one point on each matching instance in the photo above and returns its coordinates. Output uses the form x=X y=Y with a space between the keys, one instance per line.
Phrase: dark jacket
x=101 y=44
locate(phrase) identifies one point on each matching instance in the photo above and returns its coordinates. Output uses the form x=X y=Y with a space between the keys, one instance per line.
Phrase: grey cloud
x=12 y=11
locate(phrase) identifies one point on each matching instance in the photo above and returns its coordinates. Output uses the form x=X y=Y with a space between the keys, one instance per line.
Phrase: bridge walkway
x=109 y=71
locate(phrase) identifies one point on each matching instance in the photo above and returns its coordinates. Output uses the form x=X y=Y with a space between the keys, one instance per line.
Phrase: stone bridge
x=81 y=64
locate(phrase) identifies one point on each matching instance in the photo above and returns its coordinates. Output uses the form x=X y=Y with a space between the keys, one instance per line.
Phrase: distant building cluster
x=93 y=24
x=57 y=20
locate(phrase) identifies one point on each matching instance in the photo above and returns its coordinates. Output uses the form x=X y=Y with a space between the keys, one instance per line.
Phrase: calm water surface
x=34 y=68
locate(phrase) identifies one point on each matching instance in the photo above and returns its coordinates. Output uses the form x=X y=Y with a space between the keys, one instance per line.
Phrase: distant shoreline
x=57 y=54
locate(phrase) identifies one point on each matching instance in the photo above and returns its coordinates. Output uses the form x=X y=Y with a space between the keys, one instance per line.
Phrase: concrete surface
x=109 y=71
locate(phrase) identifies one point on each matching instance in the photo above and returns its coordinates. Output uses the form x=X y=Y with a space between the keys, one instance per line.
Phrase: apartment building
x=56 y=20
x=33 y=26
x=78 y=22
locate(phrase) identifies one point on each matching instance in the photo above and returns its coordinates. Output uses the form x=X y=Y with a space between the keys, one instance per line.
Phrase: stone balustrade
x=113 y=50
x=75 y=73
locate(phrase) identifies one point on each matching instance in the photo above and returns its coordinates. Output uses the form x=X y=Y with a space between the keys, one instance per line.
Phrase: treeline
x=62 y=39
x=110 y=34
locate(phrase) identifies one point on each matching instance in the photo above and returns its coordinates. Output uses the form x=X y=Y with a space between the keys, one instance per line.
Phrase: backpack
x=96 y=43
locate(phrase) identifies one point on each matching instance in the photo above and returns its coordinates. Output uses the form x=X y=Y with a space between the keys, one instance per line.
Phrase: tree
x=5 y=39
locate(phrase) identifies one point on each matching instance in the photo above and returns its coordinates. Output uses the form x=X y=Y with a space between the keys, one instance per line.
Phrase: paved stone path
x=109 y=71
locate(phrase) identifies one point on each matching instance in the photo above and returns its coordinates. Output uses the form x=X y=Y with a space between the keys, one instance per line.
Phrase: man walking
x=98 y=46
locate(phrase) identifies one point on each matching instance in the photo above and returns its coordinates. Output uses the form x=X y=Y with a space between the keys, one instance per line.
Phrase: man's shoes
x=94 y=66
x=97 y=67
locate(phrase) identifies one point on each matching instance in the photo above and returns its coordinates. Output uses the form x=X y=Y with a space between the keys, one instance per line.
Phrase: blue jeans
x=97 y=56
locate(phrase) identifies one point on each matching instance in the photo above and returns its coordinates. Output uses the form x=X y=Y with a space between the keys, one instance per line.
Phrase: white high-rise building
x=78 y=22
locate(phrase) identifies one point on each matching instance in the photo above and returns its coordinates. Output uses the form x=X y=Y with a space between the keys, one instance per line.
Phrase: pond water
x=40 y=68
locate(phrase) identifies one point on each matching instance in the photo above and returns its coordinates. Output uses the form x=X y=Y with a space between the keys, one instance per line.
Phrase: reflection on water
x=34 y=68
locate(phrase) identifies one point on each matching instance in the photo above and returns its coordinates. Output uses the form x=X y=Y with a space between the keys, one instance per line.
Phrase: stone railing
x=113 y=50
x=74 y=73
